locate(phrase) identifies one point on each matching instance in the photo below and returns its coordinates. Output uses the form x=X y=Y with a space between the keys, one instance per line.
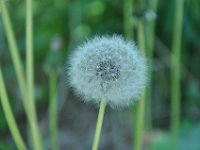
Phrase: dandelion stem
x=9 y=115
x=30 y=75
x=128 y=24
x=53 y=110
x=14 y=51
x=175 y=72
x=129 y=34
x=18 y=67
x=140 y=109
x=150 y=30
x=139 y=123
x=99 y=125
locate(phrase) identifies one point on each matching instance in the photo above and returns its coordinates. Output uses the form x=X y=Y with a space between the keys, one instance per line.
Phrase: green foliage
x=188 y=138
x=75 y=20
x=3 y=124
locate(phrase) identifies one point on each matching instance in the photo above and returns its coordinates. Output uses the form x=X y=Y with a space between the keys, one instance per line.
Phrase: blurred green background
x=59 y=25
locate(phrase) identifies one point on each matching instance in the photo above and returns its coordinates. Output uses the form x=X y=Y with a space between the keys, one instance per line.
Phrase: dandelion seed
x=109 y=68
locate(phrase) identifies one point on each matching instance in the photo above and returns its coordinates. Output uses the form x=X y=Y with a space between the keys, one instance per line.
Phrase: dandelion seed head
x=108 y=68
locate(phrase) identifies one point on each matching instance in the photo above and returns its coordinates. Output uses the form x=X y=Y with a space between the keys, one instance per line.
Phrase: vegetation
x=39 y=110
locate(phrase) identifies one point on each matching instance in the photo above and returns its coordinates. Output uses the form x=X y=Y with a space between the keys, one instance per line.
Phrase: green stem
x=175 y=72
x=14 y=51
x=53 y=110
x=128 y=24
x=140 y=109
x=99 y=125
x=30 y=76
x=129 y=34
x=150 y=30
x=18 y=67
x=9 y=116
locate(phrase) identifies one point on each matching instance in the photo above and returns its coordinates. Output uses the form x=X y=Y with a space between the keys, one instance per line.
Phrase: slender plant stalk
x=99 y=125
x=128 y=24
x=140 y=109
x=175 y=71
x=129 y=34
x=14 y=51
x=9 y=116
x=150 y=30
x=53 y=110
x=17 y=64
x=30 y=75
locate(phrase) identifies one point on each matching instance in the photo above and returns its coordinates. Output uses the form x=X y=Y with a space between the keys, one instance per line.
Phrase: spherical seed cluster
x=108 y=68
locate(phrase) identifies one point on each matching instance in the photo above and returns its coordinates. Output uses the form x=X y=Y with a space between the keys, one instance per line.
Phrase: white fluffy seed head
x=108 y=68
